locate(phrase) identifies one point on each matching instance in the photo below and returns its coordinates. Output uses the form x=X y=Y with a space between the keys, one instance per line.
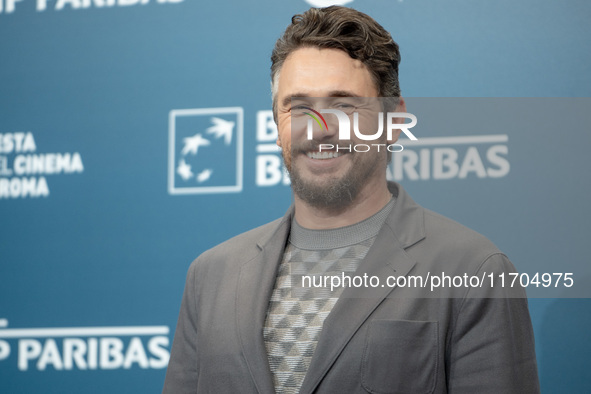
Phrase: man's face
x=329 y=74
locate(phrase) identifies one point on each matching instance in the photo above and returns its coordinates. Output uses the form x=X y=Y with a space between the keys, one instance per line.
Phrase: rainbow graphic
x=315 y=118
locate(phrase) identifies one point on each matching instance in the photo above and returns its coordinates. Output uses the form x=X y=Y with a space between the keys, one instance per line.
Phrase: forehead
x=316 y=72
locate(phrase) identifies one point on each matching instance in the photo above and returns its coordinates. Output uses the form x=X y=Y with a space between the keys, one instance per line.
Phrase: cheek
x=298 y=126
x=286 y=146
x=286 y=133
x=284 y=126
x=286 y=153
x=284 y=137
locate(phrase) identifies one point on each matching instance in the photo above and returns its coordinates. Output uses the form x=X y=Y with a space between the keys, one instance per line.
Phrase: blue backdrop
x=104 y=201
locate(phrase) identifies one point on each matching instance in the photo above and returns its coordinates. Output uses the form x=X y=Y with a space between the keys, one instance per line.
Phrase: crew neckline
x=312 y=239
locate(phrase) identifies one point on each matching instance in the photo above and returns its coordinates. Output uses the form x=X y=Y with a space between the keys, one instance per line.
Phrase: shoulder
x=243 y=242
x=452 y=247
x=240 y=248
x=420 y=230
x=452 y=235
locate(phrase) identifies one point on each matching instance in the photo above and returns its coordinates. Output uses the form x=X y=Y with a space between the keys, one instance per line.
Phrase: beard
x=334 y=193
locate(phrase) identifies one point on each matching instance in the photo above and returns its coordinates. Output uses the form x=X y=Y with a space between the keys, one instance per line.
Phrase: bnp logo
x=198 y=138
x=361 y=118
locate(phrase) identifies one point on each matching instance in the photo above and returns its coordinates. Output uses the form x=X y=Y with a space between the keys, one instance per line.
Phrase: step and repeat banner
x=136 y=134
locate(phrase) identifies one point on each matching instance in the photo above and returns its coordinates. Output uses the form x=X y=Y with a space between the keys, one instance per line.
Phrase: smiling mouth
x=324 y=155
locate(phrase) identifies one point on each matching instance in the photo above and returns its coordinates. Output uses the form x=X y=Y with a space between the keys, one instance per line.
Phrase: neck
x=368 y=202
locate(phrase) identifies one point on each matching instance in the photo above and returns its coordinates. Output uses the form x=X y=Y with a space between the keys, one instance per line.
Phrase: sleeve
x=491 y=347
x=182 y=371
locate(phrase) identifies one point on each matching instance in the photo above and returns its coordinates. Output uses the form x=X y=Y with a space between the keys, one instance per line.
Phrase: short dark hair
x=346 y=29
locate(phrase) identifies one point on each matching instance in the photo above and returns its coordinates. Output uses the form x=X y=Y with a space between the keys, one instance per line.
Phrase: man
x=247 y=325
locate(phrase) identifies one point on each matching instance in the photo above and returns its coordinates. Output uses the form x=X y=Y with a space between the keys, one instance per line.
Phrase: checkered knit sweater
x=296 y=314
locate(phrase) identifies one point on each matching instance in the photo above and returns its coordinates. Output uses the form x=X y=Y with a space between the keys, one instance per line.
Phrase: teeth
x=323 y=155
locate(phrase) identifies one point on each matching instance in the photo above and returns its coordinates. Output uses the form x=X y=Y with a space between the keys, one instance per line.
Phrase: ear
x=278 y=142
x=401 y=107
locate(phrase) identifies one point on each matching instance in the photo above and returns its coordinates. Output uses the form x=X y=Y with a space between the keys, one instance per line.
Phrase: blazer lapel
x=385 y=257
x=255 y=285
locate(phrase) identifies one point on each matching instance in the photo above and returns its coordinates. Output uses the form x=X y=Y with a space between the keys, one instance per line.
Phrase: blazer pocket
x=400 y=356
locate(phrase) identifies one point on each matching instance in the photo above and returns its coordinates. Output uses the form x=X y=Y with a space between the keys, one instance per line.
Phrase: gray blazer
x=375 y=340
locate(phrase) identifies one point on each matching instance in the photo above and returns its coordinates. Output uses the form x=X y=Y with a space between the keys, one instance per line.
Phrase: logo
x=355 y=116
x=327 y=3
x=316 y=119
x=447 y=158
x=205 y=150
x=42 y=6
x=469 y=154
x=345 y=124
x=85 y=348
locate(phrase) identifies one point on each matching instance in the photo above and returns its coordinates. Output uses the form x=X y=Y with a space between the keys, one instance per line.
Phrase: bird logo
x=184 y=170
x=221 y=128
x=205 y=150
x=192 y=144
x=204 y=175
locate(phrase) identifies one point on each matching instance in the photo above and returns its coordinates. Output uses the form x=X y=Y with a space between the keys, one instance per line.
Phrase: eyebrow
x=335 y=93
